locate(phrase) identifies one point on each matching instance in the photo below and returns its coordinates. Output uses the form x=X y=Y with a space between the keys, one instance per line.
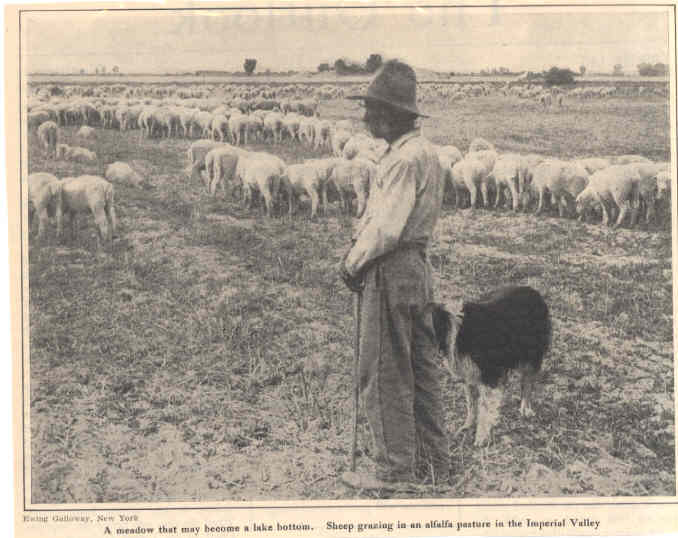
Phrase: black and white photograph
x=346 y=254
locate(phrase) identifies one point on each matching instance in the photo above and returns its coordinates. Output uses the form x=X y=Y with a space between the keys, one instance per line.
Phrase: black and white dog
x=509 y=329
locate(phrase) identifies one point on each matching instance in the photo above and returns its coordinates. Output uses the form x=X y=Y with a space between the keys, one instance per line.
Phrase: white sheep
x=338 y=140
x=616 y=185
x=353 y=178
x=196 y=157
x=260 y=172
x=647 y=186
x=90 y=194
x=473 y=173
x=86 y=132
x=628 y=159
x=121 y=172
x=44 y=200
x=48 y=134
x=221 y=163
x=509 y=172
x=563 y=180
x=593 y=164
x=309 y=177
x=480 y=144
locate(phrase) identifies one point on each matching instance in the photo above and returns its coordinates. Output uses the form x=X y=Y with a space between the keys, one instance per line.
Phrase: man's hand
x=355 y=283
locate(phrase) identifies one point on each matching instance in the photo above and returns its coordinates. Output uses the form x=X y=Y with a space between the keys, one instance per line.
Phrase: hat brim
x=401 y=107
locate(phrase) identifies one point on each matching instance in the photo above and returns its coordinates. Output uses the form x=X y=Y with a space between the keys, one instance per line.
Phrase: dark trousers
x=399 y=374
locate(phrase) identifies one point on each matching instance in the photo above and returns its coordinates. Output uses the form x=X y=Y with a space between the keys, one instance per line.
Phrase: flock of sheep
x=619 y=186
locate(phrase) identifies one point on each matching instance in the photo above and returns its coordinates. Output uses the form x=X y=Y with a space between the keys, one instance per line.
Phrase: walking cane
x=357 y=304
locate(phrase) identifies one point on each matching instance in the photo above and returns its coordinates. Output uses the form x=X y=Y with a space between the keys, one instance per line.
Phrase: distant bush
x=323 y=67
x=559 y=77
x=649 y=70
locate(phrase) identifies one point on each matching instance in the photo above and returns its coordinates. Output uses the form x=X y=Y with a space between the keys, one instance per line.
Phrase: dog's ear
x=442 y=325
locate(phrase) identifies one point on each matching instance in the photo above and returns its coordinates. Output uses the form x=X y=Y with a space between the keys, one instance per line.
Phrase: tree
x=373 y=63
x=82 y=70
x=618 y=70
x=250 y=65
x=116 y=69
x=582 y=70
x=323 y=67
x=656 y=70
x=558 y=77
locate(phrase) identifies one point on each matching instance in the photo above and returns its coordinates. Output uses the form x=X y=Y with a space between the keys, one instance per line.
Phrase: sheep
x=323 y=129
x=593 y=164
x=36 y=118
x=509 y=171
x=480 y=144
x=196 y=157
x=448 y=157
x=76 y=154
x=311 y=178
x=260 y=172
x=474 y=173
x=353 y=178
x=628 y=159
x=48 y=134
x=616 y=185
x=647 y=186
x=221 y=163
x=307 y=130
x=273 y=123
x=121 y=172
x=338 y=141
x=290 y=126
x=90 y=194
x=365 y=146
x=86 y=132
x=509 y=329
x=44 y=200
x=563 y=180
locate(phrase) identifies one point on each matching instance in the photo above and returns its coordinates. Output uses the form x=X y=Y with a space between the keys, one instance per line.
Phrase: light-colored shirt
x=404 y=201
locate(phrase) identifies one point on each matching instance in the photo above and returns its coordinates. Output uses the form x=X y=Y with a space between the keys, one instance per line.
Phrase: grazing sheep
x=448 y=157
x=593 y=164
x=339 y=139
x=628 y=159
x=76 y=154
x=291 y=126
x=48 y=134
x=323 y=129
x=219 y=128
x=344 y=125
x=509 y=329
x=617 y=186
x=36 y=118
x=647 y=186
x=365 y=146
x=90 y=194
x=196 y=157
x=353 y=178
x=44 y=200
x=480 y=144
x=120 y=172
x=86 y=132
x=563 y=180
x=273 y=123
x=474 y=174
x=311 y=178
x=509 y=172
x=307 y=130
x=260 y=172
x=221 y=163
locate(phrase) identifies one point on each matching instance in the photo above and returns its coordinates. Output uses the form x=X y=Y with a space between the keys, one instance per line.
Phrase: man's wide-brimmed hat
x=394 y=84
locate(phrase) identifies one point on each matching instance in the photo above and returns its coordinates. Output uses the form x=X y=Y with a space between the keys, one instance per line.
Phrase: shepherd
x=388 y=264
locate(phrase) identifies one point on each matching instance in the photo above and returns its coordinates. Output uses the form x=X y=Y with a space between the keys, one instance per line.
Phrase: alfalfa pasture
x=187 y=361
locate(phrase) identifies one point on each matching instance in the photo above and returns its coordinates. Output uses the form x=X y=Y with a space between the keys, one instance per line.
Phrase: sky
x=442 y=39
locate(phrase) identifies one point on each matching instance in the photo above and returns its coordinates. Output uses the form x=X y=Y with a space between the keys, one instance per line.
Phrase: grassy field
x=207 y=354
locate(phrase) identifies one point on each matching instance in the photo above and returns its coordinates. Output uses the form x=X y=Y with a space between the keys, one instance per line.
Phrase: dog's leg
x=528 y=376
x=471 y=408
x=488 y=411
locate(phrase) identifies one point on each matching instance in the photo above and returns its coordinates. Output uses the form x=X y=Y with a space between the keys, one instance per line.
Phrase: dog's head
x=446 y=326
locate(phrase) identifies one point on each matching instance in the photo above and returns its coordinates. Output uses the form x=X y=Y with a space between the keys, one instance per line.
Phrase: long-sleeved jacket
x=404 y=202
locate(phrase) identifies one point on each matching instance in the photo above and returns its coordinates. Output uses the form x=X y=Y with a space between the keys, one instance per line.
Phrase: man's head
x=391 y=101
